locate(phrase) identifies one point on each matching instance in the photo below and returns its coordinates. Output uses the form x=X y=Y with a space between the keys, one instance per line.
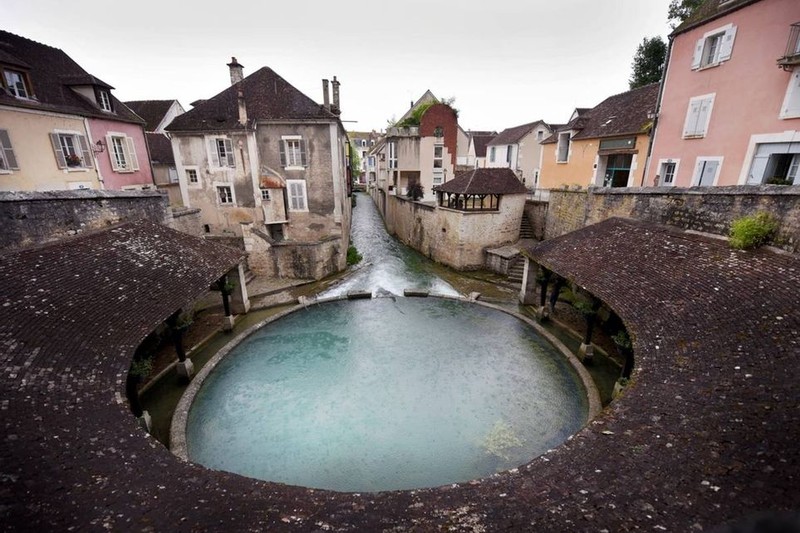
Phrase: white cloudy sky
x=506 y=62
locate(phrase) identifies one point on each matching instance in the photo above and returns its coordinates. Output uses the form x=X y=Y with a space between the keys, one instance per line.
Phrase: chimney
x=242 y=108
x=336 y=108
x=237 y=72
x=326 y=97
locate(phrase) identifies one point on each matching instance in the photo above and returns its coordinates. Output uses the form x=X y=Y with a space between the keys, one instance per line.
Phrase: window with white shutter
x=71 y=150
x=791 y=102
x=8 y=160
x=122 y=153
x=297 y=195
x=698 y=116
x=293 y=152
x=714 y=47
x=220 y=151
x=706 y=171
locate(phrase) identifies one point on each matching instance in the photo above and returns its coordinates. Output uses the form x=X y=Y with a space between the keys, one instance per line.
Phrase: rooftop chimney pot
x=336 y=109
x=237 y=71
x=326 y=97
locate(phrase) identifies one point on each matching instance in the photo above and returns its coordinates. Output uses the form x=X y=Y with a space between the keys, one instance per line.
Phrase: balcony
x=792 y=56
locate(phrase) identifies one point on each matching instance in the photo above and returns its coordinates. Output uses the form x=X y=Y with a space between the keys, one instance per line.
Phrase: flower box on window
x=73 y=160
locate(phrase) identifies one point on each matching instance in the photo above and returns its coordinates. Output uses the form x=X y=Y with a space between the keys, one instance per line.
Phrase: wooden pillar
x=527 y=293
x=557 y=285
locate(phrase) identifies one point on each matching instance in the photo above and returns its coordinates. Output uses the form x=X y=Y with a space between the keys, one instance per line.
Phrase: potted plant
x=73 y=160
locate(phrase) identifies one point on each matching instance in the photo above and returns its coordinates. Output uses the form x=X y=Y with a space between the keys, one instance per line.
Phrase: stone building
x=267 y=164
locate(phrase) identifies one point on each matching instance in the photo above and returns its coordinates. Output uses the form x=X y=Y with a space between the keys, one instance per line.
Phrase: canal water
x=385 y=394
x=388 y=266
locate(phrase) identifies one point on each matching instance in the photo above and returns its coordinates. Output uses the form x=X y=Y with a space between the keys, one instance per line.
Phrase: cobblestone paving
x=706 y=433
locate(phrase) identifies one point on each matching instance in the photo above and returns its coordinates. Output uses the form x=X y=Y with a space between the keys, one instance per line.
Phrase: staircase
x=526 y=228
x=516 y=270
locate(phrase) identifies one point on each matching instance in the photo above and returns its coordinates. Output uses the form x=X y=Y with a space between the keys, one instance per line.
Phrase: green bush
x=353 y=257
x=752 y=231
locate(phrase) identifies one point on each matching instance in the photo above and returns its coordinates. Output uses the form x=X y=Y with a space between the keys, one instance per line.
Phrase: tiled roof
x=160 y=149
x=621 y=114
x=710 y=10
x=52 y=72
x=481 y=141
x=152 y=111
x=267 y=97
x=484 y=181
x=515 y=134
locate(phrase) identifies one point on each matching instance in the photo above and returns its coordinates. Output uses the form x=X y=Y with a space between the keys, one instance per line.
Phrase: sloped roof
x=160 y=149
x=515 y=134
x=621 y=114
x=481 y=141
x=574 y=124
x=152 y=111
x=484 y=181
x=267 y=96
x=427 y=96
x=52 y=72
x=710 y=10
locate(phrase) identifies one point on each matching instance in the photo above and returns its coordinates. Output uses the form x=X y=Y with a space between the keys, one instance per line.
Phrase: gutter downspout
x=94 y=155
x=663 y=84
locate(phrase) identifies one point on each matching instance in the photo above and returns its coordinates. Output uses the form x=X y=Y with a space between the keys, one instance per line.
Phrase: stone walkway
x=707 y=432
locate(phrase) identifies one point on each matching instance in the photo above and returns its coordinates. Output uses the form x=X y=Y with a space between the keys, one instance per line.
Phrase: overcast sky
x=505 y=62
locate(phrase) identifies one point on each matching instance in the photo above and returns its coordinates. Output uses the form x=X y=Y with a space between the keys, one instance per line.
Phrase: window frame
x=195 y=170
x=722 y=52
x=215 y=156
x=293 y=158
x=121 y=152
x=8 y=159
x=104 y=100
x=698 y=170
x=392 y=154
x=697 y=132
x=668 y=161
x=79 y=148
x=291 y=196
x=218 y=187
x=792 y=96
x=12 y=89
x=266 y=196
x=567 y=147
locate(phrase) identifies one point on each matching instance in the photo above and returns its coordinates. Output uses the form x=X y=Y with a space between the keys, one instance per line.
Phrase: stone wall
x=704 y=209
x=536 y=212
x=188 y=220
x=32 y=218
x=455 y=238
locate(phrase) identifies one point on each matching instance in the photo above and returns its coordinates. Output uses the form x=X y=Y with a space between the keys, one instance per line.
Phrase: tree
x=680 y=10
x=648 y=62
x=355 y=163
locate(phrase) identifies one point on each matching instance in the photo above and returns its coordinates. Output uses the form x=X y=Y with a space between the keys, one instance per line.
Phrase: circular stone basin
x=385 y=394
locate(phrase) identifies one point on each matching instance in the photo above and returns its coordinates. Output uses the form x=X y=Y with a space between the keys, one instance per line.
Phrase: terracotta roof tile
x=484 y=181
x=267 y=97
x=621 y=114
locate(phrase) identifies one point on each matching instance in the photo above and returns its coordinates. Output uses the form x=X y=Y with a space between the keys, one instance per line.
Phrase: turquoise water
x=384 y=394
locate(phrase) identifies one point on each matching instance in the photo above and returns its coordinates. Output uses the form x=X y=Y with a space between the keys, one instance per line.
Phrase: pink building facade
x=730 y=106
x=124 y=162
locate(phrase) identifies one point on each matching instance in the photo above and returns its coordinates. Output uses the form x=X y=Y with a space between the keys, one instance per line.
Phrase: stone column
x=185 y=366
x=586 y=351
x=543 y=312
x=240 y=302
x=527 y=293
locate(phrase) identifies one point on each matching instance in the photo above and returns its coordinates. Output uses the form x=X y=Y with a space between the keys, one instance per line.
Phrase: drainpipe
x=654 y=129
x=94 y=155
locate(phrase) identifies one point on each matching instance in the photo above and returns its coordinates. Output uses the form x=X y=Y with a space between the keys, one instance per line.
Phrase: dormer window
x=16 y=83
x=104 y=100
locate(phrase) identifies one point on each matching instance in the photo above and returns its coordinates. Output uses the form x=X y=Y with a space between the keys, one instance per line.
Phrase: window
x=122 y=153
x=363 y=142
x=698 y=116
x=16 y=83
x=791 y=102
x=562 y=155
x=173 y=175
x=539 y=135
x=392 y=155
x=104 y=99
x=714 y=47
x=265 y=194
x=224 y=194
x=191 y=175
x=707 y=171
x=492 y=154
x=509 y=153
x=221 y=152
x=667 y=169
x=438 y=164
x=71 y=150
x=293 y=151
x=618 y=170
x=8 y=161
x=297 y=195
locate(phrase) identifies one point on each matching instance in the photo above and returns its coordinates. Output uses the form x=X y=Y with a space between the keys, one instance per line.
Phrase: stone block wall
x=536 y=212
x=455 y=238
x=33 y=218
x=704 y=209
x=187 y=220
